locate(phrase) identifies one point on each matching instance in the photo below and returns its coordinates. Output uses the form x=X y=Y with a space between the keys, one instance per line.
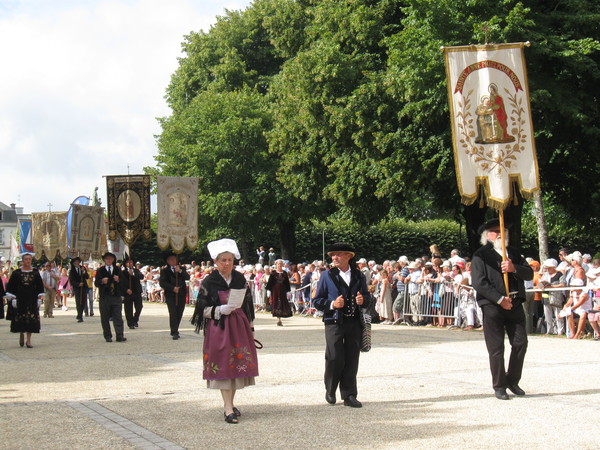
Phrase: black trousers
x=80 y=300
x=111 y=306
x=175 y=314
x=129 y=302
x=497 y=321
x=342 y=352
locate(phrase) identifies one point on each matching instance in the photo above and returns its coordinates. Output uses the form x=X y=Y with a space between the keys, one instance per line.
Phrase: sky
x=81 y=85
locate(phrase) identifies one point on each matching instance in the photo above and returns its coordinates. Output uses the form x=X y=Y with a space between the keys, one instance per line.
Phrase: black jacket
x=487 y=279
x=169 y=280
x=131 y=281
x=112 y=288
x=76 y=278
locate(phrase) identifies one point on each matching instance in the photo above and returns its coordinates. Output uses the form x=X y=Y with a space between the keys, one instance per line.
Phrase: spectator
x=577 y=307
x=384 y=301
x=552 y=300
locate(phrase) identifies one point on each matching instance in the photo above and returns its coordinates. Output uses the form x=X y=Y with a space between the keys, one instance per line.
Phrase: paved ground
x=421 y=388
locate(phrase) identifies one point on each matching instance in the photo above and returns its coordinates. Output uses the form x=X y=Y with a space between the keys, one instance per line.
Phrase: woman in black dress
x=279 y=286
x=25 y=291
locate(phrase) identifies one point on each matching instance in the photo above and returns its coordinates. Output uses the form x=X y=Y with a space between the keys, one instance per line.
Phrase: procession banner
x=25 y=242
x=128 y=207
x=49 y=234
x=177 y=213
x=86 y=231
x=492 y=132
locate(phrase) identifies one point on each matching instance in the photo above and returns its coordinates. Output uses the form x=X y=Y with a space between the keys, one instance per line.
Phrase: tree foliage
x=293 y=110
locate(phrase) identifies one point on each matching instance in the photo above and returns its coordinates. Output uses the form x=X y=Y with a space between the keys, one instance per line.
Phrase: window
x=1 y=237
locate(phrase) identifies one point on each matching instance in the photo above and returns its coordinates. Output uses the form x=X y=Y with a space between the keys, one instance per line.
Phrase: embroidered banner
x=128 y=207
x=492 y=132
x=49 y=234
x=177 y=212
x=86 y=231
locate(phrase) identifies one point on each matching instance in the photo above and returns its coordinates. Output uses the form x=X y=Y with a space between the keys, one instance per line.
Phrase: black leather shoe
x=175 y=337
x=515 y=389
x=330 y=399
x=79 y=320
x=108 y=339
x=131 y=327
x=352 y=402
x=121 y=339
x=501 y=394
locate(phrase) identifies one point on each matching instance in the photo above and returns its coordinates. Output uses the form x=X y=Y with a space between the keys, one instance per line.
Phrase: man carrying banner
x=78 y=280
x=132 y=287
x=107 y=282
x=502 y=311
x=172 y=280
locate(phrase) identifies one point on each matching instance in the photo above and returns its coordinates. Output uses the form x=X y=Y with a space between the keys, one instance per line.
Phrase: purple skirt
x=230 y=352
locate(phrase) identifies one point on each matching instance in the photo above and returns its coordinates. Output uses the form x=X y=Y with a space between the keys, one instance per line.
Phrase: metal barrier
x=429 y=302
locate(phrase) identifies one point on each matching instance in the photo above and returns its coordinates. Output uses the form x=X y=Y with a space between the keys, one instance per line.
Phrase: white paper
x=236 y=297
x=564 y=313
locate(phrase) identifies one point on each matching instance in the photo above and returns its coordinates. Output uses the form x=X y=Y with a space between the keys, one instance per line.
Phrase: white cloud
x=81 y=87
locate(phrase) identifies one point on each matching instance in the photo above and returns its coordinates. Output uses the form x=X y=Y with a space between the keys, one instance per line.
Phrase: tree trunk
x=540 y=217
x=287 y=238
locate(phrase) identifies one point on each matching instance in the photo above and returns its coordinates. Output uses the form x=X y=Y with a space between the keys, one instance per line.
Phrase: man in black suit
x=172 y=280
x=78 y=279
x=111 y=300
x=132 y=288
x=341 y=292
x=502 y=311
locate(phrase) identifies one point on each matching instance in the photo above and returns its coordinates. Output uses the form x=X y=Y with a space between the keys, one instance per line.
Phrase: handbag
x=556 y=299
x=365 y=321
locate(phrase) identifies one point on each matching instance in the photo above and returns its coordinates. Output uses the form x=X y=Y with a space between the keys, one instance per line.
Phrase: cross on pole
x=50 y=207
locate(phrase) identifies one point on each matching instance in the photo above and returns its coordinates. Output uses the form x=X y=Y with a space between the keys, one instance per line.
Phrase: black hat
x=109 y=254
x=341 y=247
x=492 y=223
x=168 y=255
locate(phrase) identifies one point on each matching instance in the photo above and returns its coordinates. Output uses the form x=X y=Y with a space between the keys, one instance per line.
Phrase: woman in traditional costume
x=229 y=352
x=278 y=287
x=25 y=290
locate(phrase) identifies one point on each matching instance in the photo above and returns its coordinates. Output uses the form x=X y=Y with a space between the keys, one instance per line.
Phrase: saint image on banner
x=178 y=205
x=129 y=205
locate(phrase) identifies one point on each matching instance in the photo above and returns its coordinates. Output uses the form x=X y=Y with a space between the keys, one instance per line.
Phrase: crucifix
x=49 y=207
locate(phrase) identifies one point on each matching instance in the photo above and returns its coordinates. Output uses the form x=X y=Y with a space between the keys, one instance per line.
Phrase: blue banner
x=81 y=200
x=25 y=244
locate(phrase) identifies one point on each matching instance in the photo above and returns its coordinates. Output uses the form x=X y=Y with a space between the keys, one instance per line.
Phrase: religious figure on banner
x=178 y=202
x=492 y=120
x=49 y=234
x=129 y=205
x=87 y=227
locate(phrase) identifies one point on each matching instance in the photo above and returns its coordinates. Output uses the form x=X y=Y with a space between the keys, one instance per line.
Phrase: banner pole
x=503 y=239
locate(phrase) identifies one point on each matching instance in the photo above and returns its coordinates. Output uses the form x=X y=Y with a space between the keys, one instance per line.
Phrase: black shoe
x=175 y=337
x=330 y=398
x=352 y=402
x=108 y=339
x=515 y=389
x=131 y=327
x=79 y=320
x=121 y=338
x=501 y=394
x=136 y=325
x=92 y=314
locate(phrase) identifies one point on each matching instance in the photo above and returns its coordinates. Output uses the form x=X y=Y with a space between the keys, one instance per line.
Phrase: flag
x=177 y=212
x=128 y=207
x=25 y=242
x=14 y=248
x=86 y=231
x=49 y=234
x=81 y=200
x=492 y=132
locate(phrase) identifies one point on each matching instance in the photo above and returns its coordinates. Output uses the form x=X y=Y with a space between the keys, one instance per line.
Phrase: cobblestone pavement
x=421 y=388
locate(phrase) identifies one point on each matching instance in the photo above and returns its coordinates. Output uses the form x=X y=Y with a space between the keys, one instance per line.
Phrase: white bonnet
x=215 y=248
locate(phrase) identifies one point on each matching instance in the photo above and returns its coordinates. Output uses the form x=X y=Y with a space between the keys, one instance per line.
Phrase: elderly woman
x=278 y=287
x=25 y=291
x=229 y=353
x=578 y=305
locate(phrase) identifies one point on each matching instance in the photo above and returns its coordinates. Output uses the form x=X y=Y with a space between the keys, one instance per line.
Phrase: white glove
x=208 y=313
x=14 y=303
x=226 y=309
x=268 y=293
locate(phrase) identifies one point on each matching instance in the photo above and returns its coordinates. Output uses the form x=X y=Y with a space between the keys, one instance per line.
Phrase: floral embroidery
x=210 y=366
x=240 y=358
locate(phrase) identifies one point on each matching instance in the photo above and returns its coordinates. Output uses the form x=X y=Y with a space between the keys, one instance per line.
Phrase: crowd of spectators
x=562 y=299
